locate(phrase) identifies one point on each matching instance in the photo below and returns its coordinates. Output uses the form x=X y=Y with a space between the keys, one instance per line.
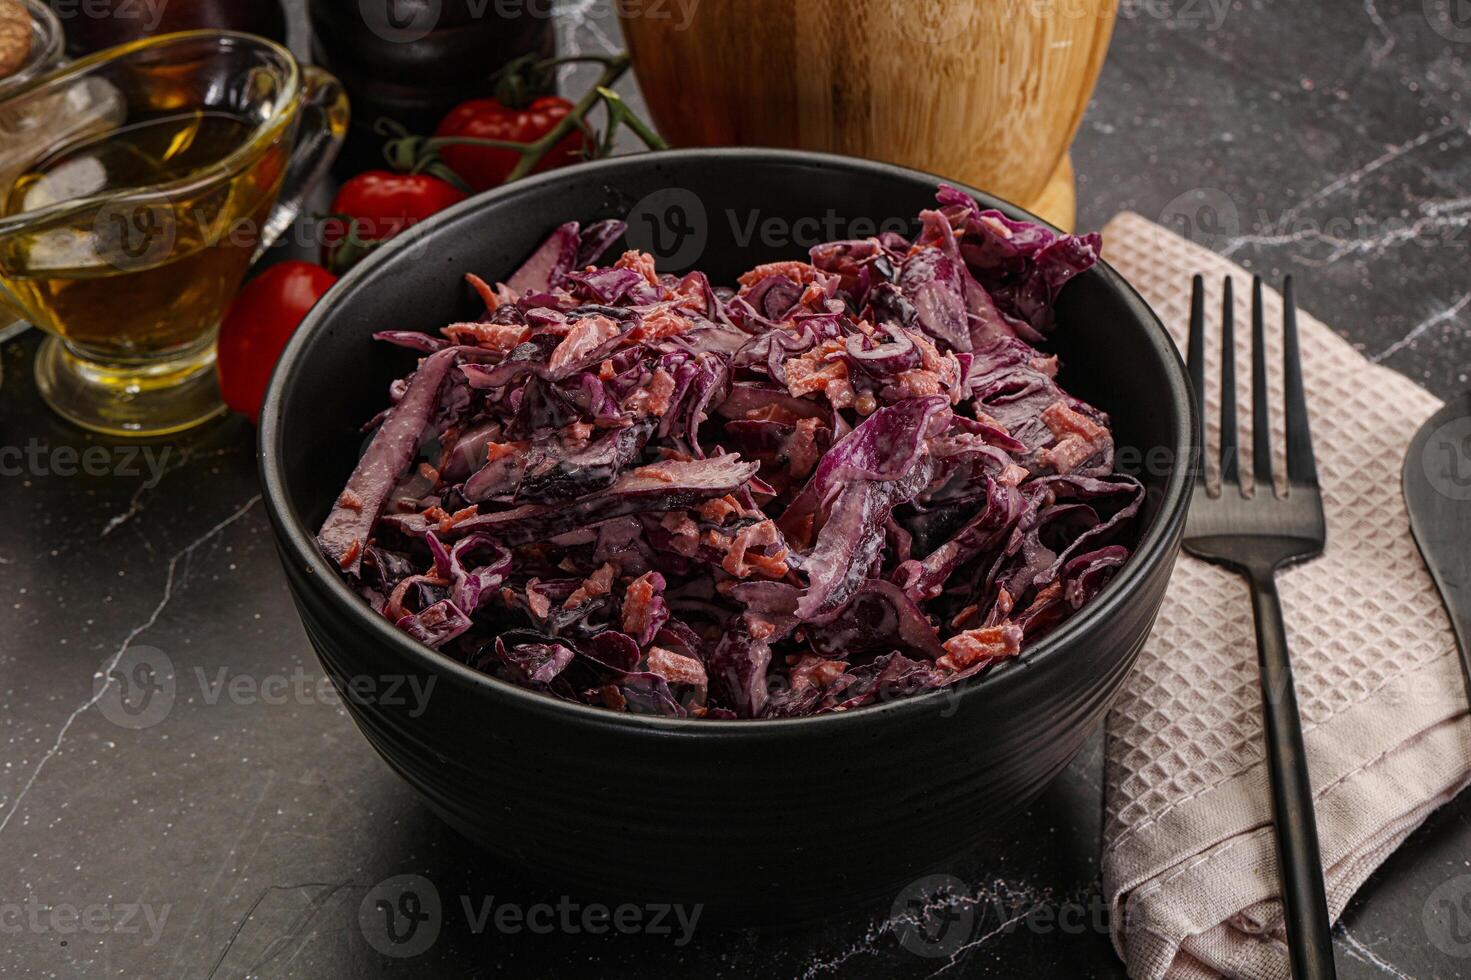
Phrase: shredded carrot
x=809 y=670
x=659 y=324
x=1078 y=438
x=640 y=262
x=676 y=668
x=717 y=510
x=974 y=646
x=638 y=604
x=799 y=272
x=490 y=336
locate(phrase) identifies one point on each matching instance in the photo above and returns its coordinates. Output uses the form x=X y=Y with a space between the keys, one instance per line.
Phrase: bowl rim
x=297 y=544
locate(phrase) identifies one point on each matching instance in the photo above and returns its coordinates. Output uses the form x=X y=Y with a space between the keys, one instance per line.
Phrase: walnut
x=15 y=37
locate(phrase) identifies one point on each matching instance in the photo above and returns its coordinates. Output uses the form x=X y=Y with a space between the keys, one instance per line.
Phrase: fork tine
x=1195 y=360
x=1300 y=465
x=1261 y=419
x=1229 y=462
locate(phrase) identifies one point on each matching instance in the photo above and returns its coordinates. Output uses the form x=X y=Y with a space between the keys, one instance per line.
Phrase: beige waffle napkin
x=1189 y=866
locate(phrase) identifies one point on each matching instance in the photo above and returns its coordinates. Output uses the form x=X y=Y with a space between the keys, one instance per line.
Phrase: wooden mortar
x=985 y=92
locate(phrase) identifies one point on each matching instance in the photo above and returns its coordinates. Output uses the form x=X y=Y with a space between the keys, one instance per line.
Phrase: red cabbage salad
x=850 y=479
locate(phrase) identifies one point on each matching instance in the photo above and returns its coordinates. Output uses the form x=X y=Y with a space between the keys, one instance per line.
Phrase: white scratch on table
x=1377 y=56
x=135 y=505
x=1439 y=223
x=986 y=937
x=134 y=508
x=1449 y=313
x=1000 y=896
x=1337 y=184
x=866 y=946
x=1364 y=954
x=326 y=892
x=234 y=847
x=106 y=671
x=1441 y=217
x=1378 y=163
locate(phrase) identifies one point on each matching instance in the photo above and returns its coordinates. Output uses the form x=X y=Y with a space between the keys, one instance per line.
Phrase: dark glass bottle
x=99 y=24
x=412 y=61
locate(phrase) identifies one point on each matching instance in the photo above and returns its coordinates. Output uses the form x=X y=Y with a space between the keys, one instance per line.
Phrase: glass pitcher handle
x=320 y=132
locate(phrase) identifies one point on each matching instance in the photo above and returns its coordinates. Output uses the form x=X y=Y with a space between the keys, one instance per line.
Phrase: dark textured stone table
x=239 y=833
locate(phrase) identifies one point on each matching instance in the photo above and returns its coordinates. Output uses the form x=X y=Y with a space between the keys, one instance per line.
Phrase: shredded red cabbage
x=850 y=479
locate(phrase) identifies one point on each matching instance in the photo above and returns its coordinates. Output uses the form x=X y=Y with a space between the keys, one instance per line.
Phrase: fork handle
x=1309 y=943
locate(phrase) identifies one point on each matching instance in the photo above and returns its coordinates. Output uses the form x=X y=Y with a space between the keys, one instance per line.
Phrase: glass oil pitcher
x=153 y=174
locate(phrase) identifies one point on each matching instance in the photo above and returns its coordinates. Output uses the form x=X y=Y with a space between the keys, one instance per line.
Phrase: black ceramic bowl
x=761 y=819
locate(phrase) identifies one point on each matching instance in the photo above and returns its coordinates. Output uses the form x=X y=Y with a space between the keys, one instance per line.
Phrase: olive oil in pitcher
x=153 y=276
x=126 y=228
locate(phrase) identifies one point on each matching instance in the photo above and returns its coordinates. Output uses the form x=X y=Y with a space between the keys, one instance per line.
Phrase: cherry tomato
x=484 y=167
x=384 y=203
x=264 y=315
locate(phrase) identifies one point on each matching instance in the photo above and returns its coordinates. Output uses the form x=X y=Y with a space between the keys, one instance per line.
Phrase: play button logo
x=1451 y=19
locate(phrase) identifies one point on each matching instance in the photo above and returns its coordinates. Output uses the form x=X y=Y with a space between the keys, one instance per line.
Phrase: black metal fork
x=1256 y=534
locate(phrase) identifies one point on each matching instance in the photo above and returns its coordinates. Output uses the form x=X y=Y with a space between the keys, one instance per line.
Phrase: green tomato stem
x=618 y=112
x=613 y=69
